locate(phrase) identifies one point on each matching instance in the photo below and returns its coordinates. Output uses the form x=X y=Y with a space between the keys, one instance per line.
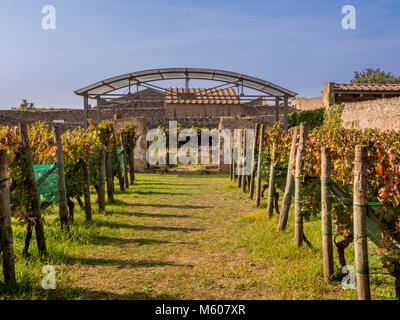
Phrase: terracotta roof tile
x=201 y=96
x=365 y=87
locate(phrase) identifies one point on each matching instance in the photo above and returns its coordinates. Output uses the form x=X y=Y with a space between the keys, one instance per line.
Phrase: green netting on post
x=121 y=159
x=48 y=189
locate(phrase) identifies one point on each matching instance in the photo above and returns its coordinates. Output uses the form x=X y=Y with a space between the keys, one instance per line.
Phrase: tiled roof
x=201 y=96
x=365 y=87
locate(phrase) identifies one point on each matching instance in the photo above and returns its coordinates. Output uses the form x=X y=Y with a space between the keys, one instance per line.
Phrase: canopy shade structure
x=137 y=78
x=267 y=90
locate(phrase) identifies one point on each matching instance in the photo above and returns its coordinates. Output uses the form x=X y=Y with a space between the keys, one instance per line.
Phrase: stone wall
x=207 y=117
x=303 y=103
x=209 y=123
x=182 y=110
x=76 y=115
x=108 y=114
x=11 y=121
x=264 y=110
x=244 y=122
x=68 y=115
x=380 y=113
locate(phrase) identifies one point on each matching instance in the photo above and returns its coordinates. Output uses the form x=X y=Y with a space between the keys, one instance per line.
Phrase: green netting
x=121 y=159
x=48 y=189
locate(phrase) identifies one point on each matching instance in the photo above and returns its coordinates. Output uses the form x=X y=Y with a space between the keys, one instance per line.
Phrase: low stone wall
x=156 y=116
x=303 y=103
x=380 y=113
x=244 y=122
x=76 y=115
x=108 y=113
x=11 y=121
x=68 y=115
x=265 y=110
x=209 y=123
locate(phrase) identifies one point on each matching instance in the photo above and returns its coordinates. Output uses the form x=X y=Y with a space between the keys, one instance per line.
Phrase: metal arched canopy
x=136 y=78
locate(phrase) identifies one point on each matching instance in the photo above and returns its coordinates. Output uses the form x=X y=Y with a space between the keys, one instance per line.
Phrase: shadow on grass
x=68 y=293
x=119 y=202
x=116 y=225
x=155 y=215
x=87 y=294
x=199 y=173
x=168 y=184
x=104 y=240
x=185 y=206
x=160 y=192
x=124 y=263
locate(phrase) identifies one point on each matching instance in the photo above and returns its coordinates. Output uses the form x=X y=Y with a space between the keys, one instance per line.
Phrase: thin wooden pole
x=360 y=204
x=326 y=207
x=239 y=153
x=276 y=113
x=253 y=155
x=86 y=191
x=85 y=111
x=119 y=169
x=289 y=188
x=6 y=236
x=244 y=173
x=231 y=166
x=110 y=178
x=260 y=150
x=102 y=181
x=62 y=190
x=271 y=184
x=234 y=153
x=285 y=113
x=30 y=183
x=131 y=165
x=298 y=219
x=125 y=161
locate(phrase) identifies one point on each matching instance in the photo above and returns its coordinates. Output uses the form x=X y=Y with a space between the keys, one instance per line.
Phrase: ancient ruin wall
x=380 y=113
x=303 y=103
x=244 y=122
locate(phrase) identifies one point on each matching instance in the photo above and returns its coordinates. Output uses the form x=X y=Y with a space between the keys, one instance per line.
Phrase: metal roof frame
x=141 y=77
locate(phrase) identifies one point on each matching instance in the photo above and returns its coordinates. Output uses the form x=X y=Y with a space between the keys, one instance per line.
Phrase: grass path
x=163 y=240
x=181 y=236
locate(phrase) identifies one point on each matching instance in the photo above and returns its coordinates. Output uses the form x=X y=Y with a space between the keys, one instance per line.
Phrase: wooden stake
x=62 y=190
x=125 y=161
x=244 y=173
x=102 y=181
x=271 y=184
x=86 y=191
x=30 y=183
x=289 y=188
x=131 y=158
x=6 y=236
x=239 y=168
x=110 y=178
x=260 y=151
x=234 y=152
x=298 y=219
x=326 y=207
x=232 y=166
x=360 y=204
x=253 y=155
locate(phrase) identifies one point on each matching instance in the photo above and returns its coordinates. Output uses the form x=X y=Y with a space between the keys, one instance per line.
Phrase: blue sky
x=297 y=44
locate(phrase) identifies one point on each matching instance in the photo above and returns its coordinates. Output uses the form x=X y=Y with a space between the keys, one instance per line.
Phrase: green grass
x=190 y=235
